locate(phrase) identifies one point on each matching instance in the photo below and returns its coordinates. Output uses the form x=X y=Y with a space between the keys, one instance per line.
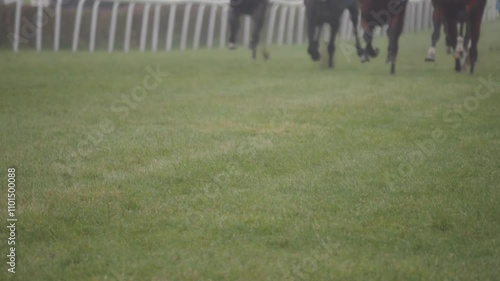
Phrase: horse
x=474 y=14
x=437 y=21
x=257 y=10
x=377 y=13
x=320 y=12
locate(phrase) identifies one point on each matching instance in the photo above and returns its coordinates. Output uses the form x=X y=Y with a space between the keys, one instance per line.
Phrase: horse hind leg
x=354 y=12
x=451 y=38
x=258 y=22
x=234 y=25
x=393 y=33
x=467 y=44
x=369 y=50
x=392 y=51
x=359 y=49
x=459 y=50
x=436 y=34
x=475 y=30
x=458 y=57
x=314 y=33
x=331 y=45
x=460 y=53
x=431 y=55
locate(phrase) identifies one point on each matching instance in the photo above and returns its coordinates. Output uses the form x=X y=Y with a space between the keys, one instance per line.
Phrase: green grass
x=233 y=170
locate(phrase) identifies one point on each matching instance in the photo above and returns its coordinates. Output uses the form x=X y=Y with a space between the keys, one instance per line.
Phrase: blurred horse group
x=374 y=13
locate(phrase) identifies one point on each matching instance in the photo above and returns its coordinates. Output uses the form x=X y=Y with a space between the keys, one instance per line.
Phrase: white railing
x=286 y=18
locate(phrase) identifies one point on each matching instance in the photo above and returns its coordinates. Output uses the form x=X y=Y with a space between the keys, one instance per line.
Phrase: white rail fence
x=286 y=23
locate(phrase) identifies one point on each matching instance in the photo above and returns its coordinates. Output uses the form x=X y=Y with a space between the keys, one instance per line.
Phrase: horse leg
x=354 y=12
x=459 y=50
x=334 y=26
x=475 y=18
x=234 y=25
x=368 y=37
x=466 y=44
x=461 y=44
x=451 y=37
x=437 y=22
x=449 y=45
x=258 y=22
x=393 y=32
x=314 y=31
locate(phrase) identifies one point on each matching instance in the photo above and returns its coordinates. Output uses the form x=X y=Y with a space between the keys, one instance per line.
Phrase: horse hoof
x=428 y=59
x=390 y=60
x=315 y=57
x=364 y=57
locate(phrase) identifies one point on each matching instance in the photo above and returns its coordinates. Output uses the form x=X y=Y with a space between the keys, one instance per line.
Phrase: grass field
x=231 y=170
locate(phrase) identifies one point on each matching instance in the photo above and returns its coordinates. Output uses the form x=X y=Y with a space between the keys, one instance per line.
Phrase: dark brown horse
x=438 y=21
x=378 y=13
x=254 y=8
x=474 y=14
x=320 y=12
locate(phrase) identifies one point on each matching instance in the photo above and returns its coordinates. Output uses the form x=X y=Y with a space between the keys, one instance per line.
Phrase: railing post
x=78 y=21
x=348 y=26
x=57 y=25
x=156 y=28
x=426 y=14
x=420 y=16
x=223 y=26
x=199 y=22
x=39 y=25
x=300 y=29
x=128 y=26
x=291 y=26
x=270 y=26
x=185 y=26
x=144 y=26
x=93 y=25
x=211 y=26
x=247 y=22
x=112 y=26
x=281 y=29
x=170 y=28
x=17 y=26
